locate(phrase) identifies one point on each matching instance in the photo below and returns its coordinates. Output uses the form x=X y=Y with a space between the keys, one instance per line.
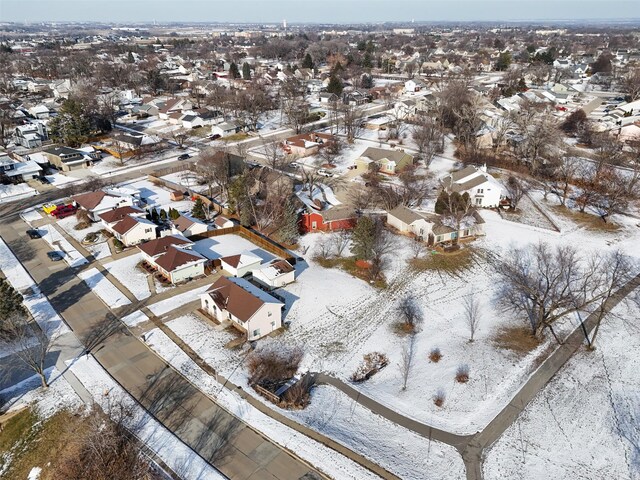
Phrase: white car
x=295 y=165
x=325 y=173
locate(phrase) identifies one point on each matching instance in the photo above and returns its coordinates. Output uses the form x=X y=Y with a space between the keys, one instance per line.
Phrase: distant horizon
x=331 y=12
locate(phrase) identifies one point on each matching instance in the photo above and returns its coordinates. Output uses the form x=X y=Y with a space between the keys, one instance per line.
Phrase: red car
x=561 y=109
x=63 y=211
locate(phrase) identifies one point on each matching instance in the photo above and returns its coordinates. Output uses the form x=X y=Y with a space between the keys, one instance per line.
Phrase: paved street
x=234 y=448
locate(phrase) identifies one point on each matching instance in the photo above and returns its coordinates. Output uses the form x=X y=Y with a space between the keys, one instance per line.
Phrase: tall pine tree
x=246 y=71
x=233 y=71
x=307 y=62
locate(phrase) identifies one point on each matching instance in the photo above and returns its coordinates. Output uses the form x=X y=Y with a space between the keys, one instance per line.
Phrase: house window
x=466 y=233
x=269 y=314
x=273 y=324
x=314 y=225
x=439 y=238
x=148 y=230
x=256 y=333
x=478 y=201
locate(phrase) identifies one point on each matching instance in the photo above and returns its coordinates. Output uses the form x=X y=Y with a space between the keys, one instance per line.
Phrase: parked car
x=184 y=156
x=325 y=173
x=295 y=165
x=33 y=234
x=64 y=211
x=49 y=207
x=561 y=109
x=55 y=256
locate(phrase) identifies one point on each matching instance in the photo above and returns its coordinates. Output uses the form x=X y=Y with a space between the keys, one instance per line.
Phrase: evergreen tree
x=173 y=213
x=335 y=85
x=522 y=85
x=246 y=71
x=198 y=210
x=288 y=231
x=154 y=216
x=10 y=300
x=337 y=68
x=366 y=61
x=364 y=238
x=71 y=126
x=307 y=62
x=163 y=215
x=130 y=57
x=233 y=71
x=367 y=81
x=504 y=61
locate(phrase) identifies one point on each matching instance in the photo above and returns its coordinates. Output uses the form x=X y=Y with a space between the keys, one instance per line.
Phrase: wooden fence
x=212 y=205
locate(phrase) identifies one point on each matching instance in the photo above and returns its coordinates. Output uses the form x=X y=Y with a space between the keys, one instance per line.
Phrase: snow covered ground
x=165 y=306
x=584 y=424
x=225 y=245
x=10 y=193
x=159 y=197
x=127 y=273
x=187 y=179
x=135 y=318
x=324 y=458
x=57 y=241
x=178 y=456
x=103 y=288
x=99 y=250
x=37 y=304
x=60 y=179
x=32 y=215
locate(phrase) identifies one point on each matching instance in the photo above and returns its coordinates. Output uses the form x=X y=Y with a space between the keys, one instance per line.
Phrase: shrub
x=272 y=364
x=298 y=396
x=435 y=355
x=372 y=364
x=81 y=225
x=91 y=237
x=462 y=374
x=118 y=244
x=439 y=398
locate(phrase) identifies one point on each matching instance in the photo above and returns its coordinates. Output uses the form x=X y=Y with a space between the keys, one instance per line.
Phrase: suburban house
x=326 y=97
x=129 y=225
x=171 y=106
x=241 y=264
x=429 y=226
x=483 y=189
x=31 y=135
x=405 y=109
x=96 y=203
x=67 y=159
x=173 y=257
x=17 y=171
x=248 y=308
x=188 y=226
x=356 y=97
x=223 y=222
x=226 y=129
x=306 y=144
x=275 y=274
x=414 y=85
x=385 y=161
x=128 y=144
x=323 y=211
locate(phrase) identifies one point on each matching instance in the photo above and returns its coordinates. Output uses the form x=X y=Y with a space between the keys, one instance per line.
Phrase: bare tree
x=273 y=154
x=407 y=359
x=417 y=248
x=516 y=189
x=564 y=174
x=428 y=136
x=472 y=314
x=30 y=343
x=179 y=136
x=352 y=118
x=411 y=313
x=458 y=214
x=631 y=84
x=341 y=241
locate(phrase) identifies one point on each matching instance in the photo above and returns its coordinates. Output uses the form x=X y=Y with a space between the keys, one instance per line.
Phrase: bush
x=118 y=244
x=81 y=225
x=372 y=364
x=439 y=398
x=271 y=365
x=435 y=355
x=91 y=237
x=462 y=374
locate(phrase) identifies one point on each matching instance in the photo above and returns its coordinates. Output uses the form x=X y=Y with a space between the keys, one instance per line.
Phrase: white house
x=188 y=226
x=223 y=222
x=414 y=85
x=179 y=264
x=430 y=227
x=132 y=230
x=96 y=203
x=241 y=264
x=275 y=274
x=484 y=190
x=248 y=308
x=225 y=129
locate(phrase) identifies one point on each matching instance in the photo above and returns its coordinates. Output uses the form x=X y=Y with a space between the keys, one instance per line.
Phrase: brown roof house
x=241 y=264
x=385 y=161
x=129 y=225
x=248 y=308
x=102 y=201
x=306 y=144
x=187 y=225
x=173 y=257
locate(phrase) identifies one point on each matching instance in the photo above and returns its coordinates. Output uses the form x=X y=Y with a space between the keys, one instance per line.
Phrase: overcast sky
x=324 y=11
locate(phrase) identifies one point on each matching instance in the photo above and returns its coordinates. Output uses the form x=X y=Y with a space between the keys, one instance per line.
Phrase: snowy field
x=178 y=456
x=225 y=245
x=159 y=197
x=103 y=288
x=165 y=306
x=126 y=272
x=584 y=424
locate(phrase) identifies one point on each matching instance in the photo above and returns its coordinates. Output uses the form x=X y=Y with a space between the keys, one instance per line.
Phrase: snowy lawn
x=584 y=424
x=225 y=245
x=103 y=288
x=187 y=179
x=55 y=239
x=10 y=193
x=125 y=270
x=159 y=197
x=135 y=318
x=178 y=456
x=334 y=464
x=165 y=306
x=99 y=250
x=59 y=179
x=32 y=215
